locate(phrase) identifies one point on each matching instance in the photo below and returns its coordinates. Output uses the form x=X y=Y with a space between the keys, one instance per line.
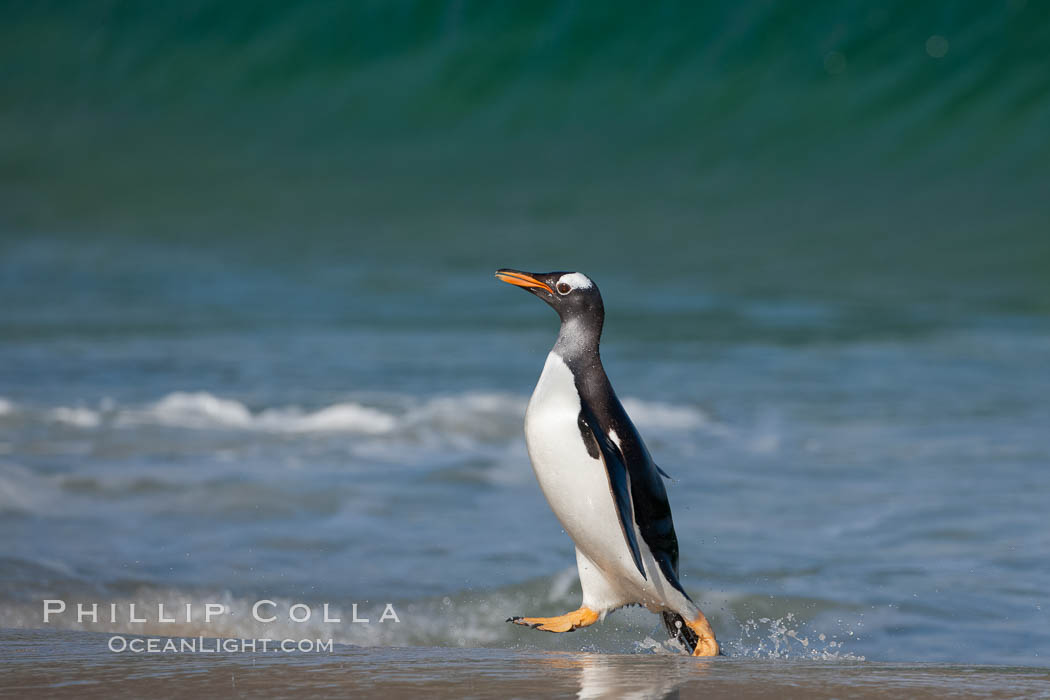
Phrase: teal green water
x=806 y=145
x=250 y=343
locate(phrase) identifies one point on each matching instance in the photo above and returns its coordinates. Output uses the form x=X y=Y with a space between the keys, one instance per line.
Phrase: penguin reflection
x=636 y=678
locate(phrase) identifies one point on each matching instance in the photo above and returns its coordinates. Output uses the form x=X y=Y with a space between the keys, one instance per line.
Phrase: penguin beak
x=522 y=279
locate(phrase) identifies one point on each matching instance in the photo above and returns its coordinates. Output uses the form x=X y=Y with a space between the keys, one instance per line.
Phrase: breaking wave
x=201 y=410
x=483 y=415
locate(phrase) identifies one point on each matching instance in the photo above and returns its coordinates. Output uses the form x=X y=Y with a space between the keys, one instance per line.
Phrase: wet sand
x=62 y=663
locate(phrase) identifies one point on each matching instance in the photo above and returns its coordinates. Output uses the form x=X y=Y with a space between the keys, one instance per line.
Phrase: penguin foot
x=562 y=623
x=706 y=645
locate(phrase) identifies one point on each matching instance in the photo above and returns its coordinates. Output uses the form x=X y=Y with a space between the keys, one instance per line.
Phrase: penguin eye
x=564 y=288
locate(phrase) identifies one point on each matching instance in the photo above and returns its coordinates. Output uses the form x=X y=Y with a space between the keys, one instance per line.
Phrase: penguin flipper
x=619 y=485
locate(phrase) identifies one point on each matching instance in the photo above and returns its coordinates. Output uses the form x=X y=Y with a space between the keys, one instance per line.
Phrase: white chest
x=551 y=422
x=575 y=483
x=577 y=487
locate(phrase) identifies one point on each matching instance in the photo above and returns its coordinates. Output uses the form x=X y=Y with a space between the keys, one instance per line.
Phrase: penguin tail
x=680 y=631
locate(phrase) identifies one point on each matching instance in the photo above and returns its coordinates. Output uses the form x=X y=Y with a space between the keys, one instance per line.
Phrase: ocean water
x=76 y=664
x=251 y=346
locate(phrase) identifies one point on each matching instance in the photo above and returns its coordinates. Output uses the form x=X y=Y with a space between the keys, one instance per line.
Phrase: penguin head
x=572 y=294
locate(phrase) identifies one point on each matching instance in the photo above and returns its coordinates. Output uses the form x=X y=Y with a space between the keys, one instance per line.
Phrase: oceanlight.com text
x=119 y=644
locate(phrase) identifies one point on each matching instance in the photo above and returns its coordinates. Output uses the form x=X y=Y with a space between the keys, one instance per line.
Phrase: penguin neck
x=577 y=342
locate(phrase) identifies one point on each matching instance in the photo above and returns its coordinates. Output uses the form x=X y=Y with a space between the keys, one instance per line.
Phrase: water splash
x=787 y=638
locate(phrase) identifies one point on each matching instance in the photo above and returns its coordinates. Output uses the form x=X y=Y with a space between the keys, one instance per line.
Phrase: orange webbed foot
x=568 y=622
x=706 y=644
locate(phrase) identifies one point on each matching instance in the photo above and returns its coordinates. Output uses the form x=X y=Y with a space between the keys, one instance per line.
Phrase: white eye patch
x=576 y=280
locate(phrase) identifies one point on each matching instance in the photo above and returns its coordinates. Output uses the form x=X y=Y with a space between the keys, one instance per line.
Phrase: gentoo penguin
x=598 y=476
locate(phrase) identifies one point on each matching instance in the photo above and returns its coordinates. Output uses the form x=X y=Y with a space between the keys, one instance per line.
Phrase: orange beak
x=521 y=279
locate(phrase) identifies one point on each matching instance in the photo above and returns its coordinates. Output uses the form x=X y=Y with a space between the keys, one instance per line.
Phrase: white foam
x=6 y=406
x=490 y=417
x=201 y=410
x=664 y=416
x=339 y=417
x=468 y=420
x=77 y=416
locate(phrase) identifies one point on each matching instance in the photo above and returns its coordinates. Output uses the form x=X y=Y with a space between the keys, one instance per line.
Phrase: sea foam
x=482 y=417
x=201 y=410
x=78 y=416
